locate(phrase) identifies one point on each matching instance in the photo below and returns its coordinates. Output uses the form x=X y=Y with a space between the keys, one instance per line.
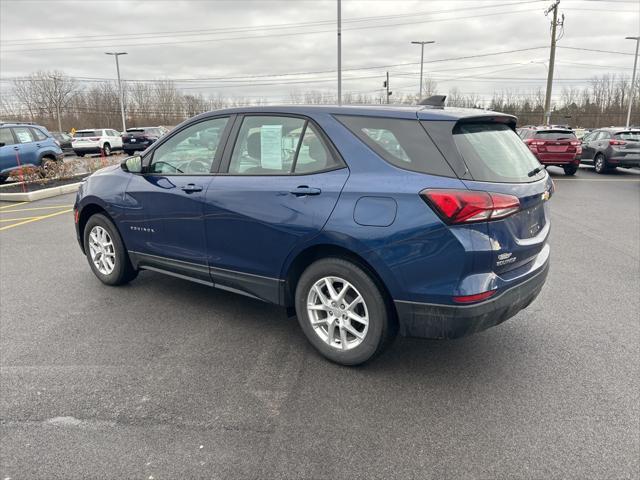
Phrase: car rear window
x=629 y=136
x=555 y=134
x=402 y=143
x=88 y=133
x=494 y=153
x=135 y=130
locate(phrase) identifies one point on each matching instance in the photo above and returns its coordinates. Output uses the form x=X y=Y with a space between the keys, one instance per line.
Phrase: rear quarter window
x=494 y=153
x=402 y=143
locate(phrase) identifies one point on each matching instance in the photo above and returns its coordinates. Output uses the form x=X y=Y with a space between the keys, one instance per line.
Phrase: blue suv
x=362 y=221
x=26 y=145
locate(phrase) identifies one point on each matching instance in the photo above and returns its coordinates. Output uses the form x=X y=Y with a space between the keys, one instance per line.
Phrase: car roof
x=620 y=129
x=392 y=111
x=92 y=129
x=19 y=124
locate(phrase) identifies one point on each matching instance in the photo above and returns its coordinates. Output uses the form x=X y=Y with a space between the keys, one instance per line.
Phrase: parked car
x=139 y=138
x=553 y=146
x=361 y=220
x=23 y=145
x=64 y=140
x=101 y=140
x=608 y=148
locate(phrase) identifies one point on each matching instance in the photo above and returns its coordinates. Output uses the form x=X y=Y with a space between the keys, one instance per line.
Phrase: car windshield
x=87 y=133
x=556 y=135
x=494 y=153
x=629 y=136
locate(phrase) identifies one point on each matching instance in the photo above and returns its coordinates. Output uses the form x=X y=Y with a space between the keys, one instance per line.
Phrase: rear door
x=279 y=183
x=588 y=148
x=498 y=161
x=27 y=147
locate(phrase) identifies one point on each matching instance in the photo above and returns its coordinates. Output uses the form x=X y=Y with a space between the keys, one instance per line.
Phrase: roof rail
x=17 y=123
x=434 y=101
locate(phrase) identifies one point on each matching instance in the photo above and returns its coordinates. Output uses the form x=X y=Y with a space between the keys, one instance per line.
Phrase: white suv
x=100 y=140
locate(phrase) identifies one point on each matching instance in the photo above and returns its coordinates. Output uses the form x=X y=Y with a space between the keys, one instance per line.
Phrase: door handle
x=304 y=190
x=191 y=188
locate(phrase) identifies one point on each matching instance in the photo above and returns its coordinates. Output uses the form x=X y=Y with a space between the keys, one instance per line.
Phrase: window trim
x=324 y=138
x=148 y=157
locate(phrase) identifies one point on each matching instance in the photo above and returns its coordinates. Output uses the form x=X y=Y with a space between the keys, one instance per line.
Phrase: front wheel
x=342 y=312
x=106 y=149
x=570 y=169
x=106 y=253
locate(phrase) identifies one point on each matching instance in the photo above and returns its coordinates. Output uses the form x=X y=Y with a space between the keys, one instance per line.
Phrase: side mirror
x=132 y=164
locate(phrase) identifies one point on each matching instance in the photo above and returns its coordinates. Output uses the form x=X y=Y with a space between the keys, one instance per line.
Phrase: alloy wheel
x=103 y=254
x=338 y=313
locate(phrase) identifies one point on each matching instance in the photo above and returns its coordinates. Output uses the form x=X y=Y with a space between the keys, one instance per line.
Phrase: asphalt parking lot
x=169 y=379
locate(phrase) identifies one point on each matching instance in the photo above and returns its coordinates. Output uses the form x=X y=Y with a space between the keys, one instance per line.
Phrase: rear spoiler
x=434 y=101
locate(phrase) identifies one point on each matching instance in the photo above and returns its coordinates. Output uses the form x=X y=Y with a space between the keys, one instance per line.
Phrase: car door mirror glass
x=132 y=164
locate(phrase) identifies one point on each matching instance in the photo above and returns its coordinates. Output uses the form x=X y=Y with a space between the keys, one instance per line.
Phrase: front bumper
x=453 y=321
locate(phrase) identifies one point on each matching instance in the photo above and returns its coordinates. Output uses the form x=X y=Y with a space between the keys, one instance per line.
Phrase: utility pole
x=552 y=57
x=339 y=53
x=117 y=54
x=385 y=84
x=633 y=79
x=57 y=100
x=422 y=44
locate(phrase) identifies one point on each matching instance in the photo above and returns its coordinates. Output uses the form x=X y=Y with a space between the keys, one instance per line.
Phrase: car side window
x=604 y=136
x=190 y=151
x=266 y=145
x=313 y=155
x=6 y=137
x=23 y=134
x=37 y=134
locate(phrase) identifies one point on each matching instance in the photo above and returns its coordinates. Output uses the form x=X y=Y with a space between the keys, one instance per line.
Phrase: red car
x=554 y=146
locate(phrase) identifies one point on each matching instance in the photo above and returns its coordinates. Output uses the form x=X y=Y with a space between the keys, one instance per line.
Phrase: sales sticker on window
x=271 y=147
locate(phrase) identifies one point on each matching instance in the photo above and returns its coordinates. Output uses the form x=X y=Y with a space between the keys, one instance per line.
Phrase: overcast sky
x=234 y=45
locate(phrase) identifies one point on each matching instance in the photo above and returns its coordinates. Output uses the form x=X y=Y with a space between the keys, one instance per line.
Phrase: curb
x=40 y=194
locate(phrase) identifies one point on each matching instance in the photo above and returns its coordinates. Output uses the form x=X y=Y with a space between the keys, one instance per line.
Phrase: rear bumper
x=559 y=159
x=625 y=161
x=453 y=321
x=134 y=147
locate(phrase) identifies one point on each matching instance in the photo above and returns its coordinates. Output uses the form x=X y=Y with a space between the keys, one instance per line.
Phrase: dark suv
x=25 y=145
x=608 y=148
x=360 y=220
x=139 y=138
x=553 y=146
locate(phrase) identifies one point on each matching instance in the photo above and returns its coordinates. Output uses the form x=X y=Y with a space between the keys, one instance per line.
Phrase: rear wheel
x=342 y=312
x=80 y=154
x=105 y=252
x=600 y=163
x=570 y=169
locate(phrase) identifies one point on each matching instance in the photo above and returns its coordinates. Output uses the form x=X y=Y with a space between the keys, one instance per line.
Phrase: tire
x=80 y=154
x=48 y=166
x=373 y=337
x=570 y=169
x=106 y=149
x=600 y=163
x=121 y=270
x=3 y=178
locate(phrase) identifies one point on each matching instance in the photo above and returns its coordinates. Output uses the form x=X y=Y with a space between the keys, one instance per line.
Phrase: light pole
x=633 y=78
x=117 y=54
x=422 y=44
x=339 y=53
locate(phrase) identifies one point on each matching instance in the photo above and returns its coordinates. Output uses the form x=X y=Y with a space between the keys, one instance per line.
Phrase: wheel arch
x=86 y=212
x=306 y=257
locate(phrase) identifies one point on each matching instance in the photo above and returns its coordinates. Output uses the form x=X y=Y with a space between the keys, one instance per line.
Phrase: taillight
x=617 y=142
x=535 y=145
x=473 y=298
x=467 y=206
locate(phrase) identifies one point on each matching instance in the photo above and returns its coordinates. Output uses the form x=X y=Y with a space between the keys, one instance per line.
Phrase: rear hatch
x=135 y=136
x=498 y=161
x=626 y=143
x=554 y=145
x=86 y=136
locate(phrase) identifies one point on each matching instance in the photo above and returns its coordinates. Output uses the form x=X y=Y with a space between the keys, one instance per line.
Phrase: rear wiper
x=536 y=171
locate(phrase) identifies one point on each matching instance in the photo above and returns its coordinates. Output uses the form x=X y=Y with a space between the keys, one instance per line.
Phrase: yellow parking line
x=37 y=208
x=16 y=219
x=13 y=205
x=35 y=219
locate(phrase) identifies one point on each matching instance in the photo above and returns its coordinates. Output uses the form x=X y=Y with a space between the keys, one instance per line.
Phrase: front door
x=169 y=235
x=280 y=182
